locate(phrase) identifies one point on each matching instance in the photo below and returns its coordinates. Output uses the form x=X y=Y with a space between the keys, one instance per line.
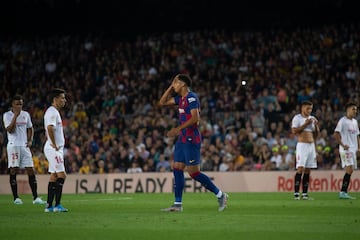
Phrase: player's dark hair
x=186 y=79
x=306 y=103
x=17 y=97
x=56 y=92
x=349 y=105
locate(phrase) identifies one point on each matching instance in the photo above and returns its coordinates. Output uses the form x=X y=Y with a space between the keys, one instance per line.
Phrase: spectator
x=134 y=168
x=163 y=165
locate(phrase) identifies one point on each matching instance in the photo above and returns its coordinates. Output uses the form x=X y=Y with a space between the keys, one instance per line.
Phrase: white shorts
x=55 y=158
x=19 y=156
x=348 y=158
x=306 y=155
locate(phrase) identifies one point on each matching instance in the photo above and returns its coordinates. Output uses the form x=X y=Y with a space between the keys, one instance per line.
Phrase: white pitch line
x=101 y=199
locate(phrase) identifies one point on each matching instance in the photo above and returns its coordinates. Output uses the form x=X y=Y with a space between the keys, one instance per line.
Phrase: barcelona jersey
x=190 y=134
x=187 y=146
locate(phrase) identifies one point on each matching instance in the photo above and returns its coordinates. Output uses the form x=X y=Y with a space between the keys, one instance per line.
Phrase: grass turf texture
x=138 y=216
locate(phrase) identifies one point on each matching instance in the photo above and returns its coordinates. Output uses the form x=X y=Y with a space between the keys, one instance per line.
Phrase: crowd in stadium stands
x=250 y=85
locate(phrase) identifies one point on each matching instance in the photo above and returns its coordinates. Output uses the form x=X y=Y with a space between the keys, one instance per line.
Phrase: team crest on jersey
x=181 y=110
x=191 y=99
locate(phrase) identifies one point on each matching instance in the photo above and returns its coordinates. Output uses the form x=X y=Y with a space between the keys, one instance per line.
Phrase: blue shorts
x=187 y=153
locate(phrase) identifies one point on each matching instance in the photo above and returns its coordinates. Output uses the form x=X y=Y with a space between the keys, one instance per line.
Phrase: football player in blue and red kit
x=188 y=144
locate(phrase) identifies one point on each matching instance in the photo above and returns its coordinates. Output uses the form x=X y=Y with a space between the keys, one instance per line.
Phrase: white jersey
x=299 y=120
x=349 y=131
x=23 y=122
x=52 y=117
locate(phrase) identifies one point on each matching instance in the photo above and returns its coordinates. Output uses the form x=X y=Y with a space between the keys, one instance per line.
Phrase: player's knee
x=61 y=175
x=52 y=178
x=349 y=170
x=13 y=171
x=193 y=175
x=178 y=169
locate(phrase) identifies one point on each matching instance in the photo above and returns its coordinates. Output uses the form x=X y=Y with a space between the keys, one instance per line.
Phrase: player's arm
x=166 y=99
x=298 y=130
x=317 y=128
x=51 y=133
x=337 y=137
x=195 y=118
x=30 y=136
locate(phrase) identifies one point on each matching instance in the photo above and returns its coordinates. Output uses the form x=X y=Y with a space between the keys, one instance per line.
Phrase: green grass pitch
x=253 y=216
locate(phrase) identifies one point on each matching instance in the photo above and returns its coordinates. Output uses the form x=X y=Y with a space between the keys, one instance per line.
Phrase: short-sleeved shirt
x=349 y=131
x=190 y=134
x=299 y=120
x=23 y=122
x=52 y=117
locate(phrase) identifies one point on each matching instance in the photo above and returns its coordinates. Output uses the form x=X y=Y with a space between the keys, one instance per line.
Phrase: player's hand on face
x=173 y=82
x=17 y=111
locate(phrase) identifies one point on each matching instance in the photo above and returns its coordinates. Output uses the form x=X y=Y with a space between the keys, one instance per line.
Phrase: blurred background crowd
x=250 y=84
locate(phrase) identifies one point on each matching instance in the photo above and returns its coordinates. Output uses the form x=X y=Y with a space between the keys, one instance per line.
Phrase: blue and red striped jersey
x=190 y=134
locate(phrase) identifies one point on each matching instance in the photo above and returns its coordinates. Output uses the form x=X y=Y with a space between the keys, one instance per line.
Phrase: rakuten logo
x=331 y=184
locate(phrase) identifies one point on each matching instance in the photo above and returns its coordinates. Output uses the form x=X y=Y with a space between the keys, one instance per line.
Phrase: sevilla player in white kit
x=54 y=150
x=347 y=136
x=20 y=134
x=306 y=128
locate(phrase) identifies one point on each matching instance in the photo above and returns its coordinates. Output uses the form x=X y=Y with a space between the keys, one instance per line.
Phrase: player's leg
x=348 y=162
x=179 y=183
x=51 y=192
x=32 y=181
x=300 y=166
x=28 y=163
x=13 y=184
x=50 y=154
x=192 y=155
x=310 y=163
x=60 y=180
x=33 y=186
x=297 y=182
x=346 y=179
x=58 y=192
x=305 y=184
x=345 y=185
x=196 y=174
x=13 y=154
x=179 y=180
